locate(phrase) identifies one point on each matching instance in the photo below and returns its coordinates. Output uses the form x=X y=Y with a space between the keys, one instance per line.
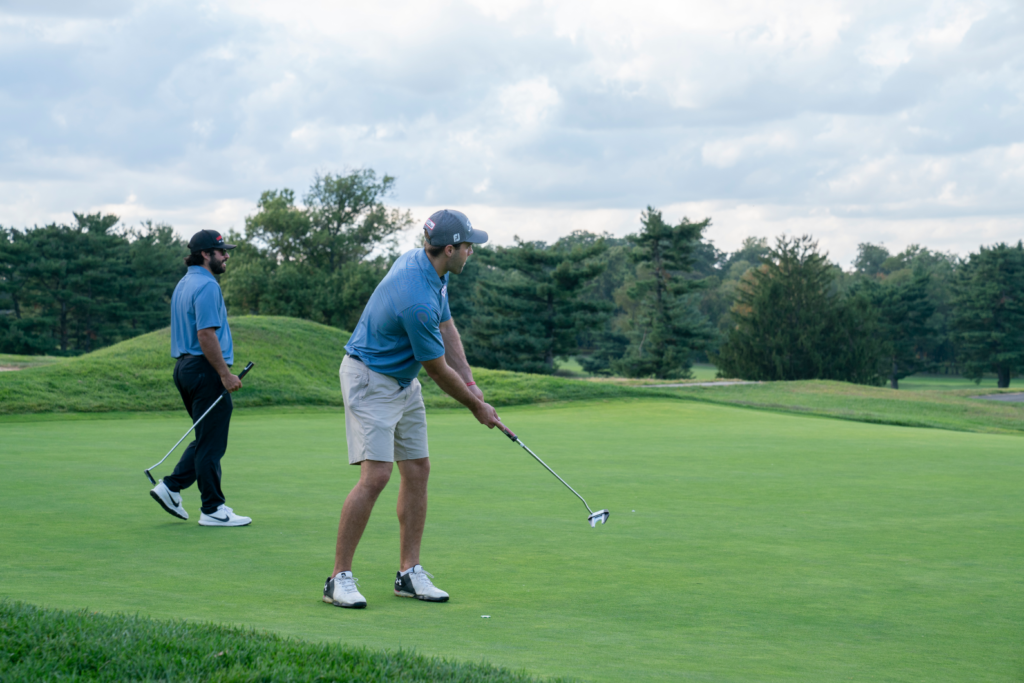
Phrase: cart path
x=1007 y=398
x=693 y=384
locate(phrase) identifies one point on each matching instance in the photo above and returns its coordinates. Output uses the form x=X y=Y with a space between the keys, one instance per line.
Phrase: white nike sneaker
x=341 y=591
x=224 y=516
x=418 y=584
x=169 y=500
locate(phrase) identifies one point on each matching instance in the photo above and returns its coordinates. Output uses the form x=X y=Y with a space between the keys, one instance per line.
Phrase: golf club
x=240 y=376
x=594 y=517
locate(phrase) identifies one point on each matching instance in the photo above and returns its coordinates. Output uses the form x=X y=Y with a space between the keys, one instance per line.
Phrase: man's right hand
x=231 y=382
x=485 y=414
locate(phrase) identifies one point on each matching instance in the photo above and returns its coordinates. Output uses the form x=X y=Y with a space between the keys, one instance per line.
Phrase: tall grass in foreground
x=42 y=644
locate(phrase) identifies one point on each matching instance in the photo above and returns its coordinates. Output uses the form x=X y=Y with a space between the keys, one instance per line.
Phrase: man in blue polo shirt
x=201 y=341
x=406 y=324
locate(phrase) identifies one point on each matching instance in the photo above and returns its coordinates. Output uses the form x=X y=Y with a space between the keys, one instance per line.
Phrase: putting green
x=742 y=545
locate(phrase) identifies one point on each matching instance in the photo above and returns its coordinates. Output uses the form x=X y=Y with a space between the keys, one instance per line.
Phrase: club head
x=601 y=515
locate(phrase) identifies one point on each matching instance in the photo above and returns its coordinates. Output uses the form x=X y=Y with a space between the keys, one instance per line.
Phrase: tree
x=933 y=347
x=73 y=289
x=790 y=323
x=530 y=310
x=666 y=326
x=753 y=251
x=156 y=263
x=988 y=312
x=871 y=259
x=601 y=344
x=20 y=331
x=74 y=280
x=904 y=311
x=320 y=261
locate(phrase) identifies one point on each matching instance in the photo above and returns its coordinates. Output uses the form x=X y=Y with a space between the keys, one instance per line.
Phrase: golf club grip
x=245 y=370
x=508 y=432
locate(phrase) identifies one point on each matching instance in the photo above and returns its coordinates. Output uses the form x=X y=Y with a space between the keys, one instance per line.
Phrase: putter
x=600 y=515
x=240 y=376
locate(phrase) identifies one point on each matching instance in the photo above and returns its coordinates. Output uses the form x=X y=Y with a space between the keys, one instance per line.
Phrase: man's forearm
x=454 y=353
x=211 y=349
x=452 y=383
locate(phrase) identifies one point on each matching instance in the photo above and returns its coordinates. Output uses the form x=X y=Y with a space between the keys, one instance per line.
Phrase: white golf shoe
x=169 y=500
x=224 y=516
x=417 y=584
x=341 y=591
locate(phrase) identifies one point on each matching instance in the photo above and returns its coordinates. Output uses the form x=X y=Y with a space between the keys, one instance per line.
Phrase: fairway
x=742 y=545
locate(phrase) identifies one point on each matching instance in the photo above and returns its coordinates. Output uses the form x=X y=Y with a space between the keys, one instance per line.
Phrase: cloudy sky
x=892 y=121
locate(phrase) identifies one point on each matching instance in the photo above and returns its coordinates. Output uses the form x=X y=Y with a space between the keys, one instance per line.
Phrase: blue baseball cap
x=449 y=226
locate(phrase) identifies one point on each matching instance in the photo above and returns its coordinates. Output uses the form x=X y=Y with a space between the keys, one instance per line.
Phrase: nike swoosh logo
x=219 y=519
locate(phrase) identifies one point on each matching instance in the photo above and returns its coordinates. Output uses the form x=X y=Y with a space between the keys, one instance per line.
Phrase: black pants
x=199 y=385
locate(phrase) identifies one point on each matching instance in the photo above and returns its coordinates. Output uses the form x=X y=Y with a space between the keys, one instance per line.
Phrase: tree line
x=646 y=305
x=71 y=289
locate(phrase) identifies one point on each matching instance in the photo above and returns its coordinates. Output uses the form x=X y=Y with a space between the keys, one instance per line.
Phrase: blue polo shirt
x=400 y=325
x=197 y=304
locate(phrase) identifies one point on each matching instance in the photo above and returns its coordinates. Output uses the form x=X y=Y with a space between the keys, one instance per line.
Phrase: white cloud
x=528 y=103
x=839 y=118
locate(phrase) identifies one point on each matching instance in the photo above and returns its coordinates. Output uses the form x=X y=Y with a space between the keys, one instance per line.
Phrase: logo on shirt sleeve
x=444 y=291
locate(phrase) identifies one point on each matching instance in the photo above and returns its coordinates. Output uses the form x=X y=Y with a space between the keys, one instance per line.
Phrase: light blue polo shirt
x=198 y=304
x=400 y=325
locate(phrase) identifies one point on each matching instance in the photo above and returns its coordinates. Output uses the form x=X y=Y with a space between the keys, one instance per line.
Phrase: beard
x=218 y=266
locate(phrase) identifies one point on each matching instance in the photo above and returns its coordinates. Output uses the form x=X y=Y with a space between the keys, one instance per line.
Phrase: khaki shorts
x=383 y=421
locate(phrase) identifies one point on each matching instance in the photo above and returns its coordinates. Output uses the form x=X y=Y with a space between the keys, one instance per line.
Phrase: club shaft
x=242 y=374
x=554 y=473
x=212 y=406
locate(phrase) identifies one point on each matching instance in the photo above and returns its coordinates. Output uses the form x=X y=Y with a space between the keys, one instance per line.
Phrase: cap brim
x=476 y=237
x=227 y=246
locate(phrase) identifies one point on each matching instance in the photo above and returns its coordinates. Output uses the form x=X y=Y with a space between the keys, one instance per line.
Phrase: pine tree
x=74 y=289
x=156 y=263
x=988 y=312
x=666 y=326
x=903 y=313
x=529 y=310
x=790 y=323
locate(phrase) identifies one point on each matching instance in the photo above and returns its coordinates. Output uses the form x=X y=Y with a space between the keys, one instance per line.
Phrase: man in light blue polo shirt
x=405 y=325
x=201 y=341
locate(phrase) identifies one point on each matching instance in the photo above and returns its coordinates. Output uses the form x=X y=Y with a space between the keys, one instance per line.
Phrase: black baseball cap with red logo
x=449 y=226
x=207 y=239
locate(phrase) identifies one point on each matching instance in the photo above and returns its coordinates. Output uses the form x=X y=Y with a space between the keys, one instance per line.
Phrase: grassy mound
x=42 y=644
x=296 y=360
x=296 y=364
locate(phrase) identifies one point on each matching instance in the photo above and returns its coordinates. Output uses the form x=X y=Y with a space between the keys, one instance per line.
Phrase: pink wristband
x=470 y=384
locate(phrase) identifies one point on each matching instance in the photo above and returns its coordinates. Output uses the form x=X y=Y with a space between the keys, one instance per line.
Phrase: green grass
x=742 y=546
x=39 y=644
x=296 y=364
x=940 y=409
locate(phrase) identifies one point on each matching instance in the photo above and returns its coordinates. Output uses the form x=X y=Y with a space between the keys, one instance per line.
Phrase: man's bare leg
x=412 y=508
x=355 y=513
